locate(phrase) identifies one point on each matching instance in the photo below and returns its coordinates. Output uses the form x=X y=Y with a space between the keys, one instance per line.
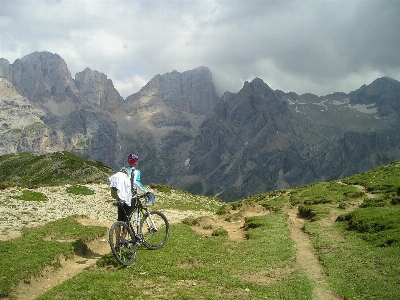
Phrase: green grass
x=356 y=268
x=28 y=195
x=384 y=179
x=359 y=252
x=378 y=225
x=324 y=193
x=216 y=268
x=182 y=200
x=52 y=169
x=77 y=189
x=161 y=188
x=39 y=247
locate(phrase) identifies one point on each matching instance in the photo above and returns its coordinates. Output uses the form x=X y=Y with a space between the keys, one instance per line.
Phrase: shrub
x=191 y=221
x=28 y=195
x=161 y=188
x=79 y=190
x=223 y=209
x=306 y=212
x=220 y=232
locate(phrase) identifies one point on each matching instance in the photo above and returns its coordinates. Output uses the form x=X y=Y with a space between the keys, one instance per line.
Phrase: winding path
x=306 y=259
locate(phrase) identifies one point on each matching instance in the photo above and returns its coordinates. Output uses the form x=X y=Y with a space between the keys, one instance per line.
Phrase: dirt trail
x=37 y=286
x=49 y=279
x=306 y=259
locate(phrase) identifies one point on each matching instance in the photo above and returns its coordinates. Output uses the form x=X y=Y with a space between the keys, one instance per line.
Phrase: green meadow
x=353 y=226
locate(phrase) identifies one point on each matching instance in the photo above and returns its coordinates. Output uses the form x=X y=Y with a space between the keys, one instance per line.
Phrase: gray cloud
x=301 y=46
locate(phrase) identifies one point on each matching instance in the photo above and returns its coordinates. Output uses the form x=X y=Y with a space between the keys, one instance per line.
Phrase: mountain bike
x=149 y=228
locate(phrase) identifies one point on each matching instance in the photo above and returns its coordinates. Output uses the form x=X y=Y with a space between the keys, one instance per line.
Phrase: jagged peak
x=38 y=55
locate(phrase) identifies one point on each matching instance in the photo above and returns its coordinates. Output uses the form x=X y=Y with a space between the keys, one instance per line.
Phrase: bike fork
x=150 y=223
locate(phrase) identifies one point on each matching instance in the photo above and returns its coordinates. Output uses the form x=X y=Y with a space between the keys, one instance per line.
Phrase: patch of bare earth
x=232 y=222
x=36 y=286
x=306 y=259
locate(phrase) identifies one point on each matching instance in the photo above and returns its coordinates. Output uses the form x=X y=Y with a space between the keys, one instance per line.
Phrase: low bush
x=191 y=221
x=220 y=232
x=29 y=195
x=378 y=225
x=306 y=212
x=79 y=190
x=161 y=188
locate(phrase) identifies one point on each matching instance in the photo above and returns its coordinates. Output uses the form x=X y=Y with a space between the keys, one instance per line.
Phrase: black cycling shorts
x=123 y=211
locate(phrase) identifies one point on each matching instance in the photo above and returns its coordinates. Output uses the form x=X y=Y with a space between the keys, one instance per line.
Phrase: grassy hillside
x=27 y=170
x=352 y=227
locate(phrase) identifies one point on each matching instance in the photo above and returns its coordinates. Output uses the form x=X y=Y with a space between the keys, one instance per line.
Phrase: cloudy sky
x=293 y=45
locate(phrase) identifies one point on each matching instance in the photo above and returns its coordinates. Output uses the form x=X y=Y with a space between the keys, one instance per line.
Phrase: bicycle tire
x=154 y=237
x=123 y=249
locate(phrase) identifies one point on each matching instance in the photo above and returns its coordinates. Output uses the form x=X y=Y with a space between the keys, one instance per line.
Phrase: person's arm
x=136 y=181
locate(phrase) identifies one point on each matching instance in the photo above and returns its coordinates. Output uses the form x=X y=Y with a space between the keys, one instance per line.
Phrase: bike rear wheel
x=122 y=242
x=155 y=230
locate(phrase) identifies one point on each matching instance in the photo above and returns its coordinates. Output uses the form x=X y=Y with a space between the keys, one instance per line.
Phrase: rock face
x=44 y=78
x=170 y=108
x=21 y=125
x=48 y=111
x=88 y=117
x=259 y=139
x=96 y=90
x=242 y=144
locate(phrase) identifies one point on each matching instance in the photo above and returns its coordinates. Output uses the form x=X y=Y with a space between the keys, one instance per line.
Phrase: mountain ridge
x=240 y=144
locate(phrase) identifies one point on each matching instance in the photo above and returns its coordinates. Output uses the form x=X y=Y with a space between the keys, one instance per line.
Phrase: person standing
x=124 y=184
x=133 y=161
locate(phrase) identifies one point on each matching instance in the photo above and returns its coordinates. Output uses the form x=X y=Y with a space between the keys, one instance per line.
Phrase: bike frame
x=154 y=238
x=140 y=211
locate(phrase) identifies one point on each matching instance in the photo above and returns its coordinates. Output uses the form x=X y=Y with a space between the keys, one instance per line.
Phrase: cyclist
x=125 y=183
x=133 y=160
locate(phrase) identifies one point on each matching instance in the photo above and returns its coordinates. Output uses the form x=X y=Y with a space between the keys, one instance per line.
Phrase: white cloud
x=301 y=46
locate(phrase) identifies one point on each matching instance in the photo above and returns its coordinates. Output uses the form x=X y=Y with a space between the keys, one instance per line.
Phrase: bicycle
x=123 y=238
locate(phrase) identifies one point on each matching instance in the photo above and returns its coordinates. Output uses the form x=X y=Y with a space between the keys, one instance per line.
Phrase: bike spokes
x=155 y=230
x=122 y=243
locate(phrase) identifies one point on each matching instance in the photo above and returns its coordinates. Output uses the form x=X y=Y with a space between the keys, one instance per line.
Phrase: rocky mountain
x=88 y=117
x=259 y=139
x=241 y=144
x=95 y=89
x=171 y=108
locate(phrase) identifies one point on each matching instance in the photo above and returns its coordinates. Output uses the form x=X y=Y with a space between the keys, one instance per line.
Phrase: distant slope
x=56 y=168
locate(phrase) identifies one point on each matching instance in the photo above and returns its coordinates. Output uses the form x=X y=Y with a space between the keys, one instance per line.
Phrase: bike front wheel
x=155 y=230
x=122 y=242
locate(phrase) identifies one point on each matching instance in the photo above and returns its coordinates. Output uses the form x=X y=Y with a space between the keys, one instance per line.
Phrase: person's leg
x=121 y=217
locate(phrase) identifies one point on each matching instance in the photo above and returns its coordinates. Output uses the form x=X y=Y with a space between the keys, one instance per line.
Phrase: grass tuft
x=29 y=195
x=77 y=189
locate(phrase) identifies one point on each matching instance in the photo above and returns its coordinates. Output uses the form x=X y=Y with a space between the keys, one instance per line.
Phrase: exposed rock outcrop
x=44 y=78
x=97 y=90
x=260 y=139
